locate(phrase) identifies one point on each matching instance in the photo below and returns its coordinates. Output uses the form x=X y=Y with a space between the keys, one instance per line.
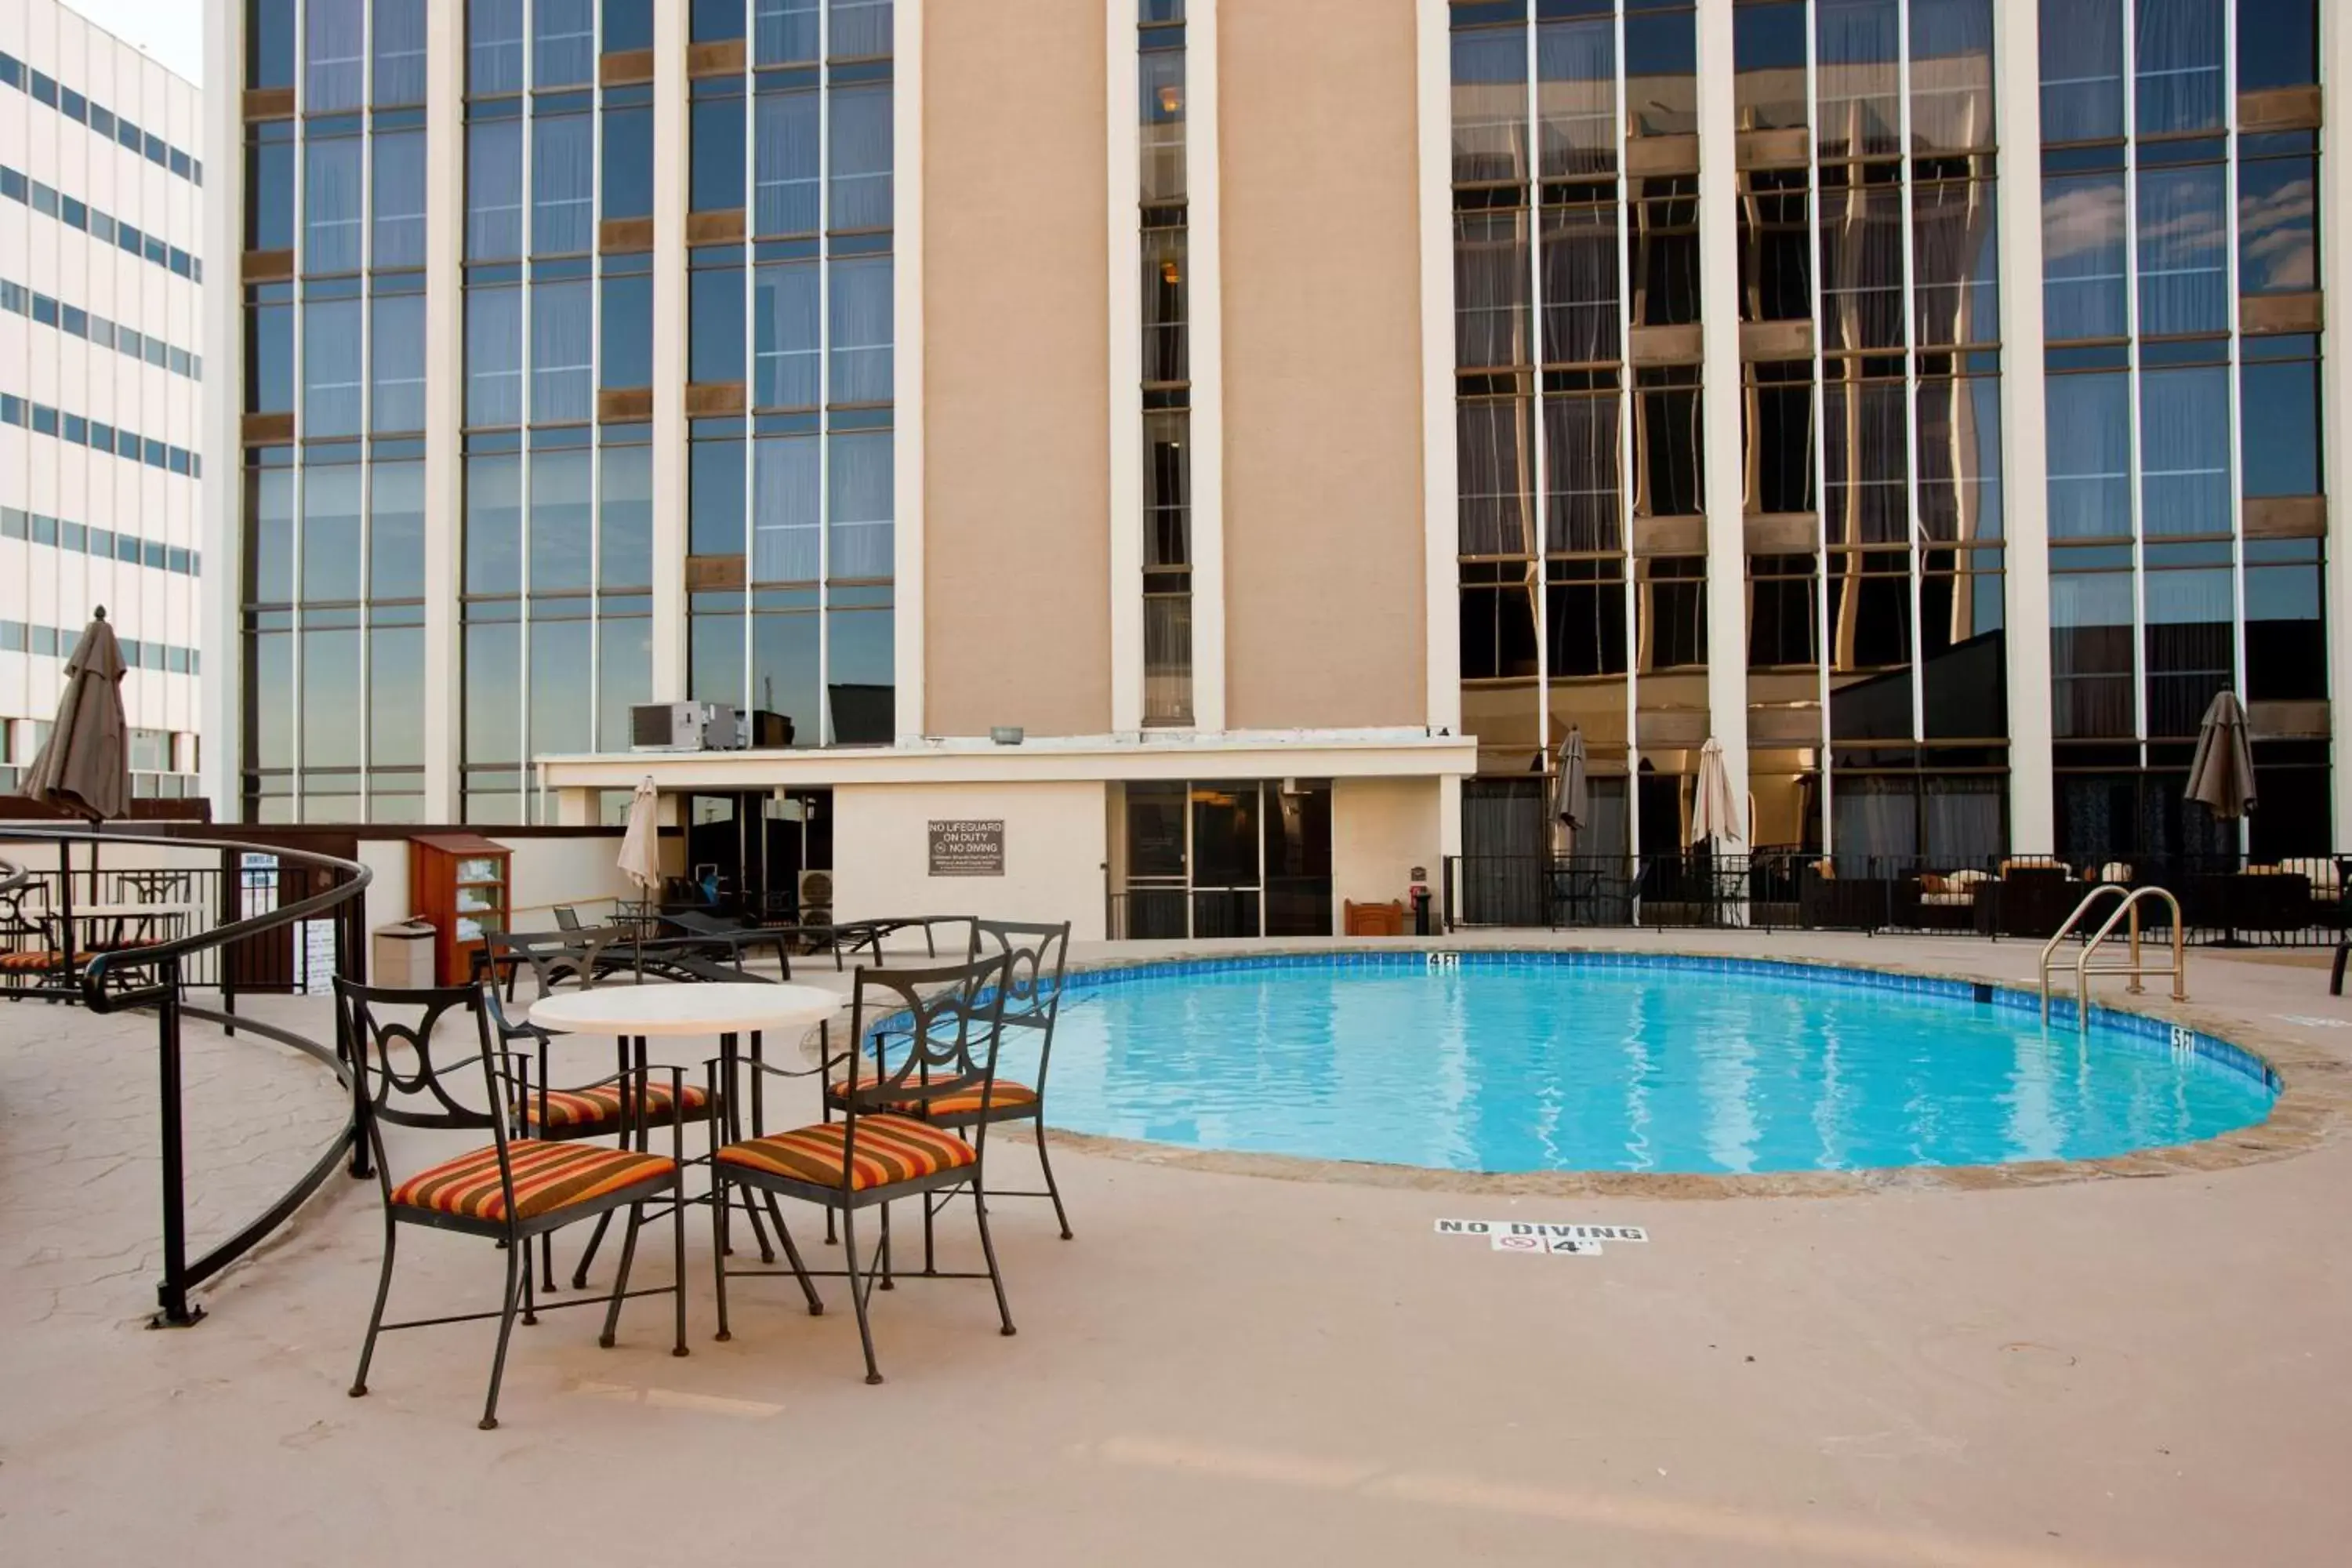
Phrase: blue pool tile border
x=2137 y=1027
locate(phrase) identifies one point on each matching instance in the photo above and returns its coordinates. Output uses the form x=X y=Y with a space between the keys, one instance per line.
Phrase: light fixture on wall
x=1172 y=98
x=1005 y=734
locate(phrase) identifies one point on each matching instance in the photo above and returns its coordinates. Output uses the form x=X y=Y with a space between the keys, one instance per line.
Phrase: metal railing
x=2085 y=969
x=158 y=977
x=2218 y=899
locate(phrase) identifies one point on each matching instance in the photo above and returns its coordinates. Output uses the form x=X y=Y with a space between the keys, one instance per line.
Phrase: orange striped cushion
x=547 y=1176
x=38 y=958
x=593 y=1107
x=961 y=1102
x=889 y=1149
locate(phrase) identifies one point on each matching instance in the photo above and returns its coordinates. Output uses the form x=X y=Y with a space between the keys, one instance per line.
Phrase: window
x=785 y=323
x=2083 y=287
x=494 y=58
x=2282 y=438
x=331 y=532
x=2177 y=52
x=2278 y=44
x=397 y=237
x=785 y=201
x=783 y=31
x=493 y=357
x=785 y=515
x=396 y=363
x=715 y=317
x=859 y=507
x=2183 y=251
x=859 y=161
x=2090 y=456
x=561 y=335
x=331 y=367
x=564 y=43
x=493 y=550
x=1666 y=443
x=2184 y=418
x=715 y=515
x=861 y=299
x=397 y=531
x=624 y=540
x=562 y=533
x=493 y=190
x=333 y=31
x=858 y=28
x=399 y=52
x=562 y=188
x=627 y=359
x=628 y=24
x=2082 y=69
x=270 y=43
x=2278 y=202
x=628 y=155
x=714 y=177
x=330 y=205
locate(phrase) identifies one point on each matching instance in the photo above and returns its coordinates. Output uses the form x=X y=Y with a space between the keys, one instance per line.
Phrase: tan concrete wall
x=1381 y=829
x=1055 y=845
x=1016 y=366
x=1324 y=593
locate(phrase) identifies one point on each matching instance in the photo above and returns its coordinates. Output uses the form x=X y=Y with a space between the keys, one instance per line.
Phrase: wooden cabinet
x=462 y=883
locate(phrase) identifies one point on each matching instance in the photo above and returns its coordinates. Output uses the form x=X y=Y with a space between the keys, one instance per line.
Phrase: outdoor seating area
x=911 y=1090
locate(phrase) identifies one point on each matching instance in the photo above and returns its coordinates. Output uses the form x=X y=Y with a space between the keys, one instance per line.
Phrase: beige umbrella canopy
x=2222 y=776
x=1713 y=813
x=640 y=845
x=85 y=768
x=1572 y=796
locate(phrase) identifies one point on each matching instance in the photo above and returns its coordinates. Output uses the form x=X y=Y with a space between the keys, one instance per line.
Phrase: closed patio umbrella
x=1713 y=813
x=85 y=766
x=1572 y=793
x=640 y=858
x=2222 y=776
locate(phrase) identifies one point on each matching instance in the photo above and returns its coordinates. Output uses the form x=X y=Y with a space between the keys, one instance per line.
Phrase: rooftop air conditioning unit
x=683 y=727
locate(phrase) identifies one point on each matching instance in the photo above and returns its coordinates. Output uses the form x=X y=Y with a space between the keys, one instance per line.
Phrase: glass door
x=1228 y=872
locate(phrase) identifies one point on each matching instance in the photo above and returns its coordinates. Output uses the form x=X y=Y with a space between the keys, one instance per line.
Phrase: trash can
x=403 y=955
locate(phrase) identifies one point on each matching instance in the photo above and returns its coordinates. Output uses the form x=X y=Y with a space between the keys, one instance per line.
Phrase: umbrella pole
x=65 y=907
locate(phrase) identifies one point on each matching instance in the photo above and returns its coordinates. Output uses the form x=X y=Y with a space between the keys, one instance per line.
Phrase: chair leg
x=988 y=1249
x=857 y=1288
x=931 y=1248
x=530 y=1274
x=719 y=1227
x=547 y=1260
x=1053 y=1188
x=620 y=1282
x=2336 y=979
x=886 y=1283
x=752 y=1210
x=678 y=1242
x=792 y=1255
x=596 y=1239
x=375 y=1317
x=505 y=1331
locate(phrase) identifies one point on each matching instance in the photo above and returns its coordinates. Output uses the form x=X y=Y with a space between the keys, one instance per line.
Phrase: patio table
x=633 y=1013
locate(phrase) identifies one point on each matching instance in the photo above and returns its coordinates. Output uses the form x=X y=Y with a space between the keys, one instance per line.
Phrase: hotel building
x=103 y=372
x=1294 y=418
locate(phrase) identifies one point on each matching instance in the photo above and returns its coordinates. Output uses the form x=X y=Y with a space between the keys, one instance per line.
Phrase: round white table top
x=667 y=1009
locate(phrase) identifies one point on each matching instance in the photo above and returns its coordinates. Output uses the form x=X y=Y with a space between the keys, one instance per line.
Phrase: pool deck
x=2140 y=1364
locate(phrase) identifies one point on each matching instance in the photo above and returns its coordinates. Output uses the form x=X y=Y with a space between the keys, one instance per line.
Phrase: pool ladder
x=2134 y=967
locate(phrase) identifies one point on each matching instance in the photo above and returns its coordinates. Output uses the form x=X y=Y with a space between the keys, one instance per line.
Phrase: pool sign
x=968 y=848
x=1532 y=1236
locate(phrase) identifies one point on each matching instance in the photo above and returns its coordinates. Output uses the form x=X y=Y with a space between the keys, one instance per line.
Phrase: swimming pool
x=1558 y=1061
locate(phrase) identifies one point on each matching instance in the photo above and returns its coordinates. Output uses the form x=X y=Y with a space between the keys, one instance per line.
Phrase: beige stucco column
x=1727 y=501
x=2025 y=479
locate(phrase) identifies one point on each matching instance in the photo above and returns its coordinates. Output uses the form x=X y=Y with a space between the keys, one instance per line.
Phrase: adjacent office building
x=101 y=381
x=1223 y=448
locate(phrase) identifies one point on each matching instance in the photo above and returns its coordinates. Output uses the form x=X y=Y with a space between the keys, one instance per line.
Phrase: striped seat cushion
x=546 y=1177
x=36 y=959
x=889 y=1149
x=966 y=1101
x=573 y=1109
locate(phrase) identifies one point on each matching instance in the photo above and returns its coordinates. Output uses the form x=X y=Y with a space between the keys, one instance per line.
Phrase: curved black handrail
x=163 y=995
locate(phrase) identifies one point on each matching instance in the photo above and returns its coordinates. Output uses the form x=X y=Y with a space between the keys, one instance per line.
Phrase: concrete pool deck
x=1222 y=1366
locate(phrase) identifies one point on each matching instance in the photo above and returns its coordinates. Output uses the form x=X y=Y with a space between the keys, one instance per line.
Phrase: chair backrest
x=930 y=1033
x=392 y=1032
x=567 y=918
x=1036 y=957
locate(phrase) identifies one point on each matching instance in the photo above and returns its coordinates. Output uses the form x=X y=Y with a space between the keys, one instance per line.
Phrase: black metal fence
x=2224 y=900
x=149 y=936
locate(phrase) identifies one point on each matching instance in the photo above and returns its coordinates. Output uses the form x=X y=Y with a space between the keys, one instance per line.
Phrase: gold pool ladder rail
x=2134 y=966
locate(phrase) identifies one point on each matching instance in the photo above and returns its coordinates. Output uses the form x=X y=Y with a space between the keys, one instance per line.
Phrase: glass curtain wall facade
x=333 y=491
x=790 y=365
x=1581 y=538
x=1167 y=364
x=556 y=564
x=2179 y=158
x=788 y=331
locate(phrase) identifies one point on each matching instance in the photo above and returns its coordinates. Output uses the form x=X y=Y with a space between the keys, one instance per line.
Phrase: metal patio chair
x=1034 y=957
x=567 y=918
x=936 y=1034
x=510 y=1190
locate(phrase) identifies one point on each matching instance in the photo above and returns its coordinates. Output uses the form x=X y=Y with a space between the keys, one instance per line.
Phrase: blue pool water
x=1541 y=1065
